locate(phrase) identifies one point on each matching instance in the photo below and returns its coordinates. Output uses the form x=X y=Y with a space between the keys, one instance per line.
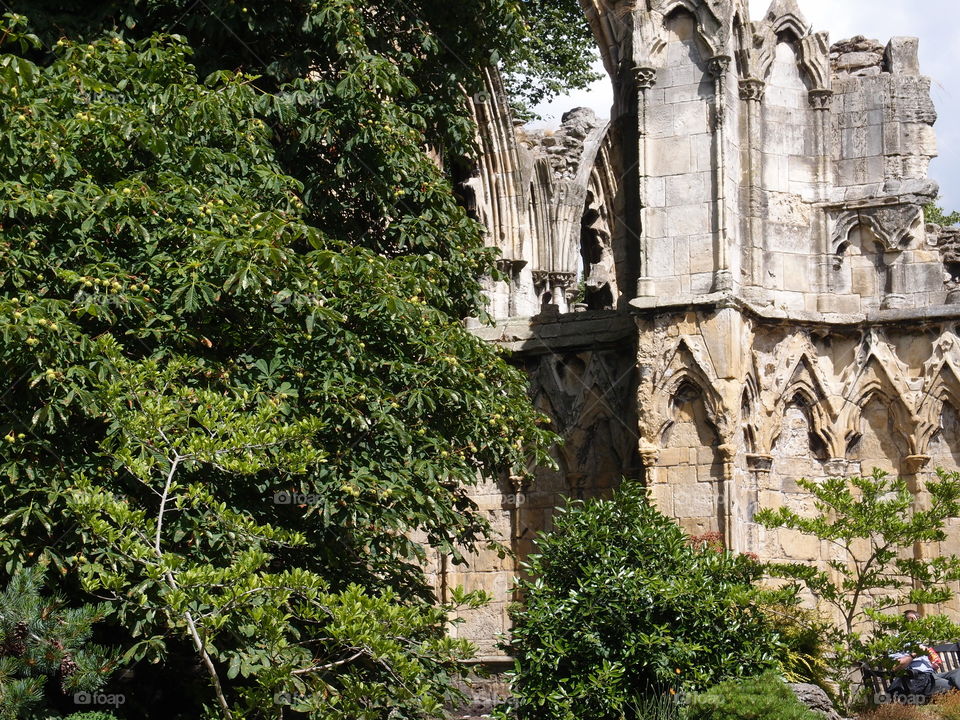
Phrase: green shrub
x=619 y=606
x=805 y=636
x=761 y=698
x=97 y=715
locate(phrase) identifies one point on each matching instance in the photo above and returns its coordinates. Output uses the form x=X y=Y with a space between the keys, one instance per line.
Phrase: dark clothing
x=917 y=682
x=953 y=678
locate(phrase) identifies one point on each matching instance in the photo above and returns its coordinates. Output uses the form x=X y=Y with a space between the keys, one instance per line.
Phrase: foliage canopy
x=237 y=393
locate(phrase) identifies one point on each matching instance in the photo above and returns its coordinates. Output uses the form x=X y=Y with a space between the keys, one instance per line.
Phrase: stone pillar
x=751 y=93
x=511 y=269
x=649 y=456
x=560 y=285
x=645 y=78
x=895 y=281
x=821 y=100
x=722 y=277
x=759 y=466
x=577 y=482
x=912 y=470
x=728 y=454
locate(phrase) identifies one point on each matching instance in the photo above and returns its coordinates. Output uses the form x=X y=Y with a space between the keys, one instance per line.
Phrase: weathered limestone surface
x=815 y=699
x=728 y=286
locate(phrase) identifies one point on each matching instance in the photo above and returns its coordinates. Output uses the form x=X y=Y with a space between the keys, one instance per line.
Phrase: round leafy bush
x=760 y=698
x=618 y=604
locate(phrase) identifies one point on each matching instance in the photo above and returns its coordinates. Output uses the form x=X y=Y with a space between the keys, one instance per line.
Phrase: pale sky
x=935 y=22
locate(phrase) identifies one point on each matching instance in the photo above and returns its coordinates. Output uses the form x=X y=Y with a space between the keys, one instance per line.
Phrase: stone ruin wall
x=728 y=286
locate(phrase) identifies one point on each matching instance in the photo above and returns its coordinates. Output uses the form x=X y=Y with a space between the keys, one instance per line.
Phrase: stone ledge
x=557 y=332
x=930 y=313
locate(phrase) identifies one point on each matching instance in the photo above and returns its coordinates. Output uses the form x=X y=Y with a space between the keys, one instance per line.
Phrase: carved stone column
x=645 y=78
x=511 y=268
x=722 y=277
x=560 y=285
x=758 y=467
x=912 y=470
x=518 y=483
x=820 y=100
x=895 y=281
x=541 y=282
x=751 y=93
x=649 y=456
x=728 y=453
x=577 y=483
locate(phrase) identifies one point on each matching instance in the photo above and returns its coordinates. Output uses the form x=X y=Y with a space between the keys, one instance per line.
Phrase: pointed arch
x=687 y=365
x=807 y=388
x=942 y=389
x=874 y=383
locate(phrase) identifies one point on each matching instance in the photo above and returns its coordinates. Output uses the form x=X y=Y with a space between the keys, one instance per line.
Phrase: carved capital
x=649 y=454
x=540 y=277
x=518 y=483
x=912 y=464
x=820 y=99
x=752 y=89
x=727 y=451
x=510 y=267
x=645 y=77
x=717 y=65
x=562 y=279
x=759 y=463
x=722 y=281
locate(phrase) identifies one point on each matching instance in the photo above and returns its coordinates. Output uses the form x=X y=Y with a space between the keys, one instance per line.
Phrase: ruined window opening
x=594 y=282
x=953 y=270
x=465 y=175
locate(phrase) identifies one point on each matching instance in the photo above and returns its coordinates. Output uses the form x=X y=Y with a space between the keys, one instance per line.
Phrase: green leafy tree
x=42 y=638
x=409 y=65
x=619 y=605
x=237 y=396
x=873 y=524
x=934 y=213
x=555 y=55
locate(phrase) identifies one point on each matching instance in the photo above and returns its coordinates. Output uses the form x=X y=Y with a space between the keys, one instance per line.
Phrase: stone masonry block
x=670 y=156
x=901 y=56
x=689 y=189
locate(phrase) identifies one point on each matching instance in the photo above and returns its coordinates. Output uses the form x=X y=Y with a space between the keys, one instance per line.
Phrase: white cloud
x=935 y=22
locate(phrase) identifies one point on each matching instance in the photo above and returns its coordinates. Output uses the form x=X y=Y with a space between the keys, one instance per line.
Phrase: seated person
x=919 y=665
